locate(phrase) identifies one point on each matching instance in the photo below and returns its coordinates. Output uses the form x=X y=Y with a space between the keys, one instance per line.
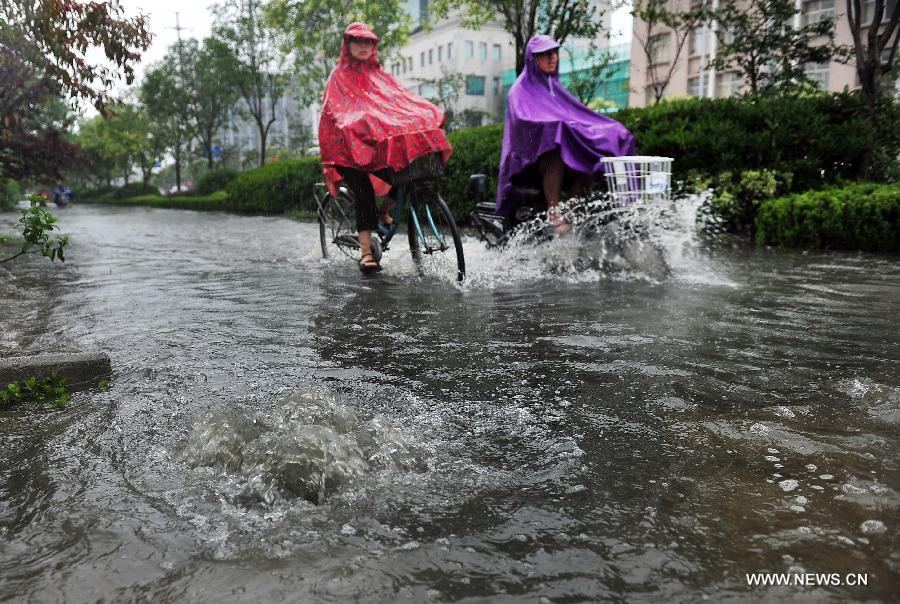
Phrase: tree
x=253 y=61
x=45 y=56
x=523 y=19
x=105 y=153
x=444 y=91
x=315 y=29
x=165 y=93
x=54 y=37
x=875 y=52
x=33 y=124
x=875 y=49
x=138 y=135
x=583 y=82
x=662 y=25
x=761 y=41
x=212 y=97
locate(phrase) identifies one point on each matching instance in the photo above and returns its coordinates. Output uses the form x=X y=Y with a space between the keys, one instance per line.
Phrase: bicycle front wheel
x=434 y=240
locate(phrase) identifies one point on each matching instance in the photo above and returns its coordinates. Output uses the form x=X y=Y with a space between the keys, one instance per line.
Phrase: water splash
x=653 y=242
x=310 y=447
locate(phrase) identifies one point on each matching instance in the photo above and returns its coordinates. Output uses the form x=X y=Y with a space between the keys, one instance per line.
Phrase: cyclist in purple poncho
x=550 y=134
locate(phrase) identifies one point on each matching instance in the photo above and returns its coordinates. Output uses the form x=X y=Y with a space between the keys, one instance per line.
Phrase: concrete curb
x=81 y=370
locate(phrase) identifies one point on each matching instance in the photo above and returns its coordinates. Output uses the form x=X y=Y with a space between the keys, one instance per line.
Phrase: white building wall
x=448 y=47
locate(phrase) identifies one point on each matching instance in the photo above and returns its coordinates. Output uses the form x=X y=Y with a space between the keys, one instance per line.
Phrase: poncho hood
x=370 y=121
x=542 y=115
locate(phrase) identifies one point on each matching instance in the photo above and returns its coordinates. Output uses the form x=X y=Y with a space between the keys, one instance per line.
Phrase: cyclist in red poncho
x=372 y=127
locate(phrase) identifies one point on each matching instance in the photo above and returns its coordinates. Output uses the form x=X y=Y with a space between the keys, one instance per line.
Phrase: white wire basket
x=638 y=178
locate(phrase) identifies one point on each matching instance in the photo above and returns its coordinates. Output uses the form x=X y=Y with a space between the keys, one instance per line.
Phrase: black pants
x=364 y=194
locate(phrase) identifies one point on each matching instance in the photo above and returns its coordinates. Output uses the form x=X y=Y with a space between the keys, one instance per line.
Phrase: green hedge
x=216 y=180
x=475 y=151
x=820 y=139
x=134 y=189
x=216 y=201
x=737 y=196
x=277 y=187
x=862 y=216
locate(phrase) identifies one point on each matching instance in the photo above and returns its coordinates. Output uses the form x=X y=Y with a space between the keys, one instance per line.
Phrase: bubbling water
x=310 y=447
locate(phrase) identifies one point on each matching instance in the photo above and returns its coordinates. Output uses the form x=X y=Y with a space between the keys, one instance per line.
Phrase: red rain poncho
x=370 y=121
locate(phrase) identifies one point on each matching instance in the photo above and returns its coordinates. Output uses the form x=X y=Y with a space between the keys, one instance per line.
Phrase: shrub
x=820 y=139
x=475 y=151
x=217 y=201
x=94 y=194
x=277 y=187
x=862 y=216
x=216 y=180
x=10 y=194
x=134 y=189
x=737 y=196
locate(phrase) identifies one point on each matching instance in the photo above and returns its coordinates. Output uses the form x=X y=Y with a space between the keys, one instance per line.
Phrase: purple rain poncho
x=542 y=115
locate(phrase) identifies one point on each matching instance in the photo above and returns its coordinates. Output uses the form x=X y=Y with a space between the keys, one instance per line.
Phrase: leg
x=366 y=219
x=553 y=170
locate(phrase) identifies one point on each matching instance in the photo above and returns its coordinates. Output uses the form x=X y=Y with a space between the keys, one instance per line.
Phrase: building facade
x=611 y=90
x=448 y=54
x=691 y=75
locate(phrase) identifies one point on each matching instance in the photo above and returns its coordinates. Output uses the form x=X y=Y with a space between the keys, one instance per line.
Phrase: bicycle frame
x=386 y=234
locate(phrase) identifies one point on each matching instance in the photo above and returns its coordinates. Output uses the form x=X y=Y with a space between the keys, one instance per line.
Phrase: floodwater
x=560 y=428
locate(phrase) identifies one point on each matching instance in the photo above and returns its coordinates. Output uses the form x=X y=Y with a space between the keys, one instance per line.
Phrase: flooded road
x=281 y=428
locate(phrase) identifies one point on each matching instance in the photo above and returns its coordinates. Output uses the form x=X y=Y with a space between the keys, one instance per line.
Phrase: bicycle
x=431 y=229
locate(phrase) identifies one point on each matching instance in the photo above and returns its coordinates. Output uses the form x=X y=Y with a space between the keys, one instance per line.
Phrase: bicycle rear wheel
x=337 y=228
x=434 y=240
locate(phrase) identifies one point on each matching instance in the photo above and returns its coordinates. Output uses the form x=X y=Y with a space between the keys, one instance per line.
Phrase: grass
x=216 y=201
x=303 y=214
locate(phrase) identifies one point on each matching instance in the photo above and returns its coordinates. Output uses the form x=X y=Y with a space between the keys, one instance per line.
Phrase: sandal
x=368 y=266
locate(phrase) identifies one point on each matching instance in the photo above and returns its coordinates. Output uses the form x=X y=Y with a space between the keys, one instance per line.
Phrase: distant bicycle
x=434 y=239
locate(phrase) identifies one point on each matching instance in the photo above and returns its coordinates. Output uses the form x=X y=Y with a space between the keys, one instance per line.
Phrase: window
x=496 y=88
x=449 y=50
x=868 y=12
x=659 y=48
x=482 y=51
x=447 y=90
x=693 y=88
x=725 y=34
x=698 y=40
x=817 y=74
x=470 y=49
x=430 y=56
x=422 y=59
x=426 y=90
x=475 y=85
x=728 y=84
x=497 y=52
x=440 y=54
x=817 y=10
